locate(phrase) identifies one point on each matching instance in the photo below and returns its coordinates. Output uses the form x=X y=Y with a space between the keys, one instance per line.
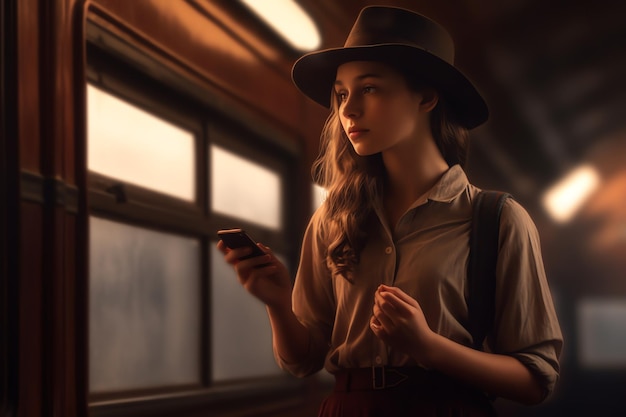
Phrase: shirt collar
x=451 y=184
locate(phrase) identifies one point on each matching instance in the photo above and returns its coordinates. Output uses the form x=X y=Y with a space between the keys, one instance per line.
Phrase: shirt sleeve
x=526 y=325
x=313 y=302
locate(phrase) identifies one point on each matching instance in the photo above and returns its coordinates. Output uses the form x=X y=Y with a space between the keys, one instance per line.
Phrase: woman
x=379 y=299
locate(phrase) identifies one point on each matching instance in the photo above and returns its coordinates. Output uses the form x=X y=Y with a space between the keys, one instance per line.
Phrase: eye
x=369 y=89
x=341 y=96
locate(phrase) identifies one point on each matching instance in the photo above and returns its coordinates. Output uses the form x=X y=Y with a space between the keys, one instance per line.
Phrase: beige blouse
x=427 y=256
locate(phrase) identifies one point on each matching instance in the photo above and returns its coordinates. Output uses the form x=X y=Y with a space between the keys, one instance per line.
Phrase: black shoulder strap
x=487 y=207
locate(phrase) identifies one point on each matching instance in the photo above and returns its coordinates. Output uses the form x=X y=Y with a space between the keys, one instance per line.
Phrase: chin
x=365 y=151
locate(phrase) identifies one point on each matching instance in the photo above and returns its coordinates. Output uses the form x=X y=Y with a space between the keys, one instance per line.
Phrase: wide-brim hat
x=402 y=38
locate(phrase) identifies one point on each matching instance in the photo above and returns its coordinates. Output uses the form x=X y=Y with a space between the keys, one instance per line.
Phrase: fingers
x=384 y=315
x=392 y=307
x=398 y=320
x=397 y=292
x=377 y=327
x=251 y=278
x=394 y=302
x=243 y=266
x=234 y=256
x=247 y=268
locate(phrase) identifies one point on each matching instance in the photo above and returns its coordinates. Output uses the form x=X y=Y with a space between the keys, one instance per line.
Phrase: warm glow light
x=563 y=199
x=290 y=21
x=318 y=195
x=128 y=143
x=245 y=189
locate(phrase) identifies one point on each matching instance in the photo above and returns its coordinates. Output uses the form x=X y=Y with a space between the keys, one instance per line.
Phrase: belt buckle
x=378 y=377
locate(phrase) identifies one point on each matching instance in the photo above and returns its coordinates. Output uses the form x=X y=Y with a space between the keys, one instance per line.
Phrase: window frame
x=120 y=69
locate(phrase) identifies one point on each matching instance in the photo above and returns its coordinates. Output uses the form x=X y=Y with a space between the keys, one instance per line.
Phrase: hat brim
x=314 y=74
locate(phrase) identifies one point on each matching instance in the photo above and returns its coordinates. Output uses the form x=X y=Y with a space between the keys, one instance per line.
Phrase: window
x=130 y=144
x=242 y=346
x=245 y=189
x=166 y=314
x=144 y=314
x=602 y=333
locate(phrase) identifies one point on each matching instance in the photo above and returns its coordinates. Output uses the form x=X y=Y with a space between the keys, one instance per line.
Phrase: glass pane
x=244 y=189
x=130 y=144
x=241 y=333
x=602 y=333
x=144 y=308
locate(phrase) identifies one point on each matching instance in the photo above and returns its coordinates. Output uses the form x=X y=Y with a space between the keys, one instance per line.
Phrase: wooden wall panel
x=31 y=342
x=30 y=300
x=28 y=83
x=46 y=141
x=222 y=51
x=206 y=43
x=226 y=57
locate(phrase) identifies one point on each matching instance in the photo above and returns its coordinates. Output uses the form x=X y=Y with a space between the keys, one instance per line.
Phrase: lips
x=355 y=129
x=356 y=132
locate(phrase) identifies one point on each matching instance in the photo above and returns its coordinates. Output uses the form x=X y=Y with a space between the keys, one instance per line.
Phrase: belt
x=380 y=377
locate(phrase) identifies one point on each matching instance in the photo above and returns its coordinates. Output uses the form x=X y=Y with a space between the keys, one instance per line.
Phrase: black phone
x=238 y=238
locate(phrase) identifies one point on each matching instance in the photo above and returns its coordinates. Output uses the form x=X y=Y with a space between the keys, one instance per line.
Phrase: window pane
x=241 y=334
x=132 y=145
x=244 y=189
x=602 y=333
x=144 y=308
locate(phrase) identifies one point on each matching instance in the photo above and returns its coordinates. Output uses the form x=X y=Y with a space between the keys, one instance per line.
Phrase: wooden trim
x=59 y=229
x=274 y=397
x=81 y=253
x=48 y=191
x=111 y=33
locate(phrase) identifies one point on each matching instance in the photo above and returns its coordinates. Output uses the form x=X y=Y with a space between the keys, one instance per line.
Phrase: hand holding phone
x=269 y=281
x=238 y=238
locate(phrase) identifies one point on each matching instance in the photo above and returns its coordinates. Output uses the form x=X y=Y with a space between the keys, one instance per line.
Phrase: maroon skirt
x=402 y=392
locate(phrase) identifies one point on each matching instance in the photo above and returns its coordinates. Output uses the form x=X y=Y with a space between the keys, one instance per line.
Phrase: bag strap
x=482 y=263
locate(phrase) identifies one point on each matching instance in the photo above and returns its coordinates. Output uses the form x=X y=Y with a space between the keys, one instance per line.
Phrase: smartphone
x=238 y=238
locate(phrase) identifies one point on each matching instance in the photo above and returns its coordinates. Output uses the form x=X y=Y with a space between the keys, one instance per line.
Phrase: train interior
x=133 y=130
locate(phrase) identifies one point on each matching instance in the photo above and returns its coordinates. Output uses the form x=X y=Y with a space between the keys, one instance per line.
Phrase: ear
x=430 y=98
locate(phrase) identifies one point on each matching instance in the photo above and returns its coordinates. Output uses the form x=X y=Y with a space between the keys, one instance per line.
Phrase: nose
x=351 y=107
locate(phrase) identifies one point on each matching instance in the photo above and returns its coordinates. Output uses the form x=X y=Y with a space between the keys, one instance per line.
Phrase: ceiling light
x=564 y=198
x=289 y=20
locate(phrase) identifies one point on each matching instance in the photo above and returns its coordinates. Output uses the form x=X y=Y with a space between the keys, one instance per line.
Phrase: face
x=377 y=110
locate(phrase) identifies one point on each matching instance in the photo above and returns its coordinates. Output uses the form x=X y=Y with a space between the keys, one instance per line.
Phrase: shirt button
x=378 y=360
x=388 y=250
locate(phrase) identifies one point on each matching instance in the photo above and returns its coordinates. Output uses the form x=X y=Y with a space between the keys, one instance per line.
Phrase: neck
x=411 y=173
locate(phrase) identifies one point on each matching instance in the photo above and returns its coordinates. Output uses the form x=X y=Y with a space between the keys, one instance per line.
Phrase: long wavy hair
x=353 y=182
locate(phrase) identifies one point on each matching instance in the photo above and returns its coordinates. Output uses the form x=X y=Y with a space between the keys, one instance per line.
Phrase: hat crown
x=391 y=25
x=422 y=49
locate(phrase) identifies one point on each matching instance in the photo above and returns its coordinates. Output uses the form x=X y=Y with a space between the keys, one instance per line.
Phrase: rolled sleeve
x=527 y=327
x=313 y=303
